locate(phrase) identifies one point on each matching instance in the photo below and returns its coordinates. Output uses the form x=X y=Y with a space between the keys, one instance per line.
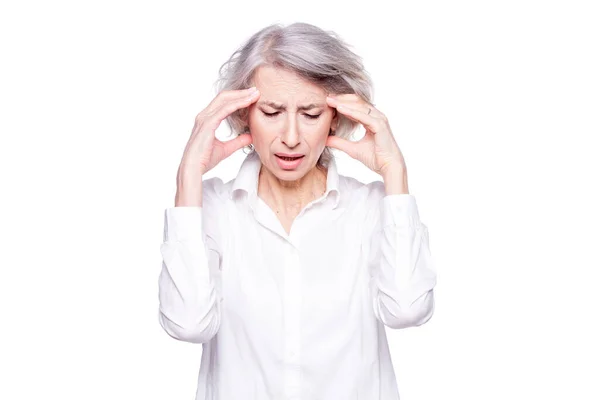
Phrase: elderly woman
x=289 y=273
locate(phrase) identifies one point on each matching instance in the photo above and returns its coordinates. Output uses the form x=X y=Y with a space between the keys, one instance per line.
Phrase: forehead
x=284 y=86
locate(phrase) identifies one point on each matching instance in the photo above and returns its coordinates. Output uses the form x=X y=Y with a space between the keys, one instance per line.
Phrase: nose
x=291 y=136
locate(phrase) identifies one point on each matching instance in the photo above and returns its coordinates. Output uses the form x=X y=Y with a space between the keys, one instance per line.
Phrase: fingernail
x=252 y=89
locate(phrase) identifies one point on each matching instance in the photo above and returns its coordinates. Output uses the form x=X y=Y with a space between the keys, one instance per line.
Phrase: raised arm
x=190 y=279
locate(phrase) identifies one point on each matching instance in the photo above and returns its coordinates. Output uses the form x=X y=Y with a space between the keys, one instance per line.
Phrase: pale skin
x=292 y=127
x=378 y=149
x=282 y=122
x=292 y=130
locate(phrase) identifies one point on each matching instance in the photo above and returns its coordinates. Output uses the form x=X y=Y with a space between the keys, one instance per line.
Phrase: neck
x=289 y=197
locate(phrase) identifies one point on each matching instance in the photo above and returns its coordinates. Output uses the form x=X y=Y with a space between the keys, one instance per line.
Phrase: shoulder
x=214 y=191
x=214 y=200
x=366 y=194
x=214 y=215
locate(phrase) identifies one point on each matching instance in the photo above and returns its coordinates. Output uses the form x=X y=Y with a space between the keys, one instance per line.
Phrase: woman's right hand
x=203 y=150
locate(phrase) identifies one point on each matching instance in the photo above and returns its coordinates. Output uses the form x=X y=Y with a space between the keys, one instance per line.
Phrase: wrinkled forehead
x=286 y=87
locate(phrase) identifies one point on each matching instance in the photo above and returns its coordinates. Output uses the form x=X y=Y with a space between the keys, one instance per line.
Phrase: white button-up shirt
x=298 y=316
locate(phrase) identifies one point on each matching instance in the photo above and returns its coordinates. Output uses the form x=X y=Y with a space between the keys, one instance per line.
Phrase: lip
x=289 y=165
x=289 y=155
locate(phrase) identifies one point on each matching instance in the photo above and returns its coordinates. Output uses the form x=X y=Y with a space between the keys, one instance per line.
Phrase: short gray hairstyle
x=319 y=56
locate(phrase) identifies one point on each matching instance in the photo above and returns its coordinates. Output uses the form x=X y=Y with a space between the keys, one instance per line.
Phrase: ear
x=334 y=120
x=244 y=116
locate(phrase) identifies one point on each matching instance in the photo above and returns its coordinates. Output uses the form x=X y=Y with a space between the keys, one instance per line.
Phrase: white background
x=495 y=106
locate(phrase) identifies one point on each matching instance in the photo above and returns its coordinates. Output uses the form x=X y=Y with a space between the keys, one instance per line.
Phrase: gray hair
x=321 y=57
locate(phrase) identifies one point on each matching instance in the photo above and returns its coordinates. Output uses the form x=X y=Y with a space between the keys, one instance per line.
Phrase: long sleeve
x=190 y=279
x=401 y=269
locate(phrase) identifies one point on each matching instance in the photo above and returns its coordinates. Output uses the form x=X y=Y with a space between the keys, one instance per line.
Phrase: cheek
x=263 y=131
x=318 y=133
x=319 y=124
x=256 y=122
x=321 y=128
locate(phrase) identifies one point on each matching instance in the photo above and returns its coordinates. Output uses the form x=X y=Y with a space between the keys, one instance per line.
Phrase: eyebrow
x=278 y=106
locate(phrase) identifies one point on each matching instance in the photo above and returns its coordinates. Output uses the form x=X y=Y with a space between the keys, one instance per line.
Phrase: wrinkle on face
x=289 y=189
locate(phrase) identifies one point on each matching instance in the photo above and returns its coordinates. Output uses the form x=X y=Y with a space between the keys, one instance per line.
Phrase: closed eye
x=274 y=114
x=271 y=114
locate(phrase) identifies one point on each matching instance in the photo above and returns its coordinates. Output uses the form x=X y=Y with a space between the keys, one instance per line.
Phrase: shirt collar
x=247 y=179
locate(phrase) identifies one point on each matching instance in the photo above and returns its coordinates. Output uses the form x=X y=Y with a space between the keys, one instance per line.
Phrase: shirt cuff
x=399 y=210
x=182 y=223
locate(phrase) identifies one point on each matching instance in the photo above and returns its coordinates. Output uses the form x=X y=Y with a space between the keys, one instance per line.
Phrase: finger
x=226 y=96
x=351 y=98
x=357 y=103
x=233 y=145
x=344 y=145
x=370 y=122
x=226 y=109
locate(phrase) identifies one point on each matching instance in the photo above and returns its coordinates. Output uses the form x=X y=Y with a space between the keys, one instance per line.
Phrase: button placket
x=292 y=304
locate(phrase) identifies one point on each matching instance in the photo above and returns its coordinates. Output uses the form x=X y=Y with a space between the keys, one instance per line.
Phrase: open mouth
x=288 y=158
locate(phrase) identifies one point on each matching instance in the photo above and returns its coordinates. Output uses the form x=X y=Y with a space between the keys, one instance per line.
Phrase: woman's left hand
x=378 y=149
